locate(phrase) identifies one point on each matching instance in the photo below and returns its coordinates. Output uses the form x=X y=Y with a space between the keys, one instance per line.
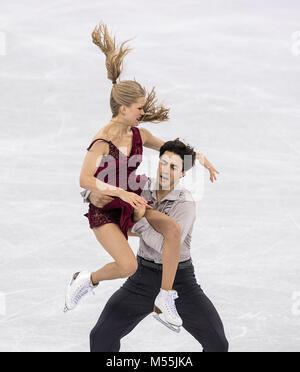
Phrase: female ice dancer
x=108 y=171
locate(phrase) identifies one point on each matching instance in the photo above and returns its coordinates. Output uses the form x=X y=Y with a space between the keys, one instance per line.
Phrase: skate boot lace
x=83 y=290
x=171 y=304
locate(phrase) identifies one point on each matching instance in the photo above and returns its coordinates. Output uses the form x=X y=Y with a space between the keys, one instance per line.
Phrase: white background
x=230 y=72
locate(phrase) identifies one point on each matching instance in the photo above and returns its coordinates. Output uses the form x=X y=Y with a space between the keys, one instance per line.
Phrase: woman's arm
x=90 y=182
x=155 y=143
x=90 y=165
x=151 y=141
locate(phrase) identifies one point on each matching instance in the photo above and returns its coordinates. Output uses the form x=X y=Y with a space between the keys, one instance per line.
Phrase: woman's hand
x=133 y=199
x=140 y=213
x=212 y=171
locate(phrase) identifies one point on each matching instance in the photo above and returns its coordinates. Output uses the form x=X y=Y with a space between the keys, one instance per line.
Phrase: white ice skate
x=165 y=310
x=79 y=286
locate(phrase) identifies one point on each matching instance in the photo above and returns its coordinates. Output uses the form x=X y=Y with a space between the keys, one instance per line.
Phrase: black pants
x=135 y=299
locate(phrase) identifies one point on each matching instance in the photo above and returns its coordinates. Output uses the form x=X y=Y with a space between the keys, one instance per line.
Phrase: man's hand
x=100 y=202
x=206 y=164
x=140 y=213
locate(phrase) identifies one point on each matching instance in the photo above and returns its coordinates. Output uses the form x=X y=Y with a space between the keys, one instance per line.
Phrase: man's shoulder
x=185 y=205
x=186 y=196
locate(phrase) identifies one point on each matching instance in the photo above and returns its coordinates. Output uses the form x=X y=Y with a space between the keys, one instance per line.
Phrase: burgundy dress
x=118 y=170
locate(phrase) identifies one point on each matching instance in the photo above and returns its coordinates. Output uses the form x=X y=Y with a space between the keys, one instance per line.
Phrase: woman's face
x=134 y=113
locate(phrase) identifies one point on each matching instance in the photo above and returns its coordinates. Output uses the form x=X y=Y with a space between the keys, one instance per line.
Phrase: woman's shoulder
x=143 y=133
x=103 y=133
x=101 y=145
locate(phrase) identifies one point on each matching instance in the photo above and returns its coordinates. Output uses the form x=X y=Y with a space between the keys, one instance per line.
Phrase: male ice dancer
x=134 y=300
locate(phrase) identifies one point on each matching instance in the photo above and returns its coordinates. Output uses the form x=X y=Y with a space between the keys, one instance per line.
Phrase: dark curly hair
x=182 y=150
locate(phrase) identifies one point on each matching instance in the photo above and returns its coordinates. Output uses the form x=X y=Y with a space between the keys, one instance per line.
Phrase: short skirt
x=117 y=211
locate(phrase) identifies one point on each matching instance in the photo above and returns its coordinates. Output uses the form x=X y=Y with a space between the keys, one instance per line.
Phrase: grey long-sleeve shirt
x=179 y=205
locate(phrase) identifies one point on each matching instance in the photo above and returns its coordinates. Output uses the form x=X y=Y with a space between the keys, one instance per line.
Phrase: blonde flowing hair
x=126 y=92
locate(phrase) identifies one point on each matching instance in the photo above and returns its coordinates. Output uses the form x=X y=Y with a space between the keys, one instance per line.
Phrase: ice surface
x=230 y=72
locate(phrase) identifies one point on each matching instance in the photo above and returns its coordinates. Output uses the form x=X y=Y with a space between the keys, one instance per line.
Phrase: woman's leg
x=171 y=231
x=114 y=242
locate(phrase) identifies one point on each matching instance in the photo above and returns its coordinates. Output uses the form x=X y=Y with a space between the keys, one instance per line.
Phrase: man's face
x=169 y=170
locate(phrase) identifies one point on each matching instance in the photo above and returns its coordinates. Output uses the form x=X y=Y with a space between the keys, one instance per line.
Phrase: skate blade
x=66 y=309
x=168 y=325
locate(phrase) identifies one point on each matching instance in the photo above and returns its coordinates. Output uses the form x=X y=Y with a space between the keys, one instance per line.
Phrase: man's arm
x=86 y=194
x=130 y=233
x=184 y=213
x=155 y=143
